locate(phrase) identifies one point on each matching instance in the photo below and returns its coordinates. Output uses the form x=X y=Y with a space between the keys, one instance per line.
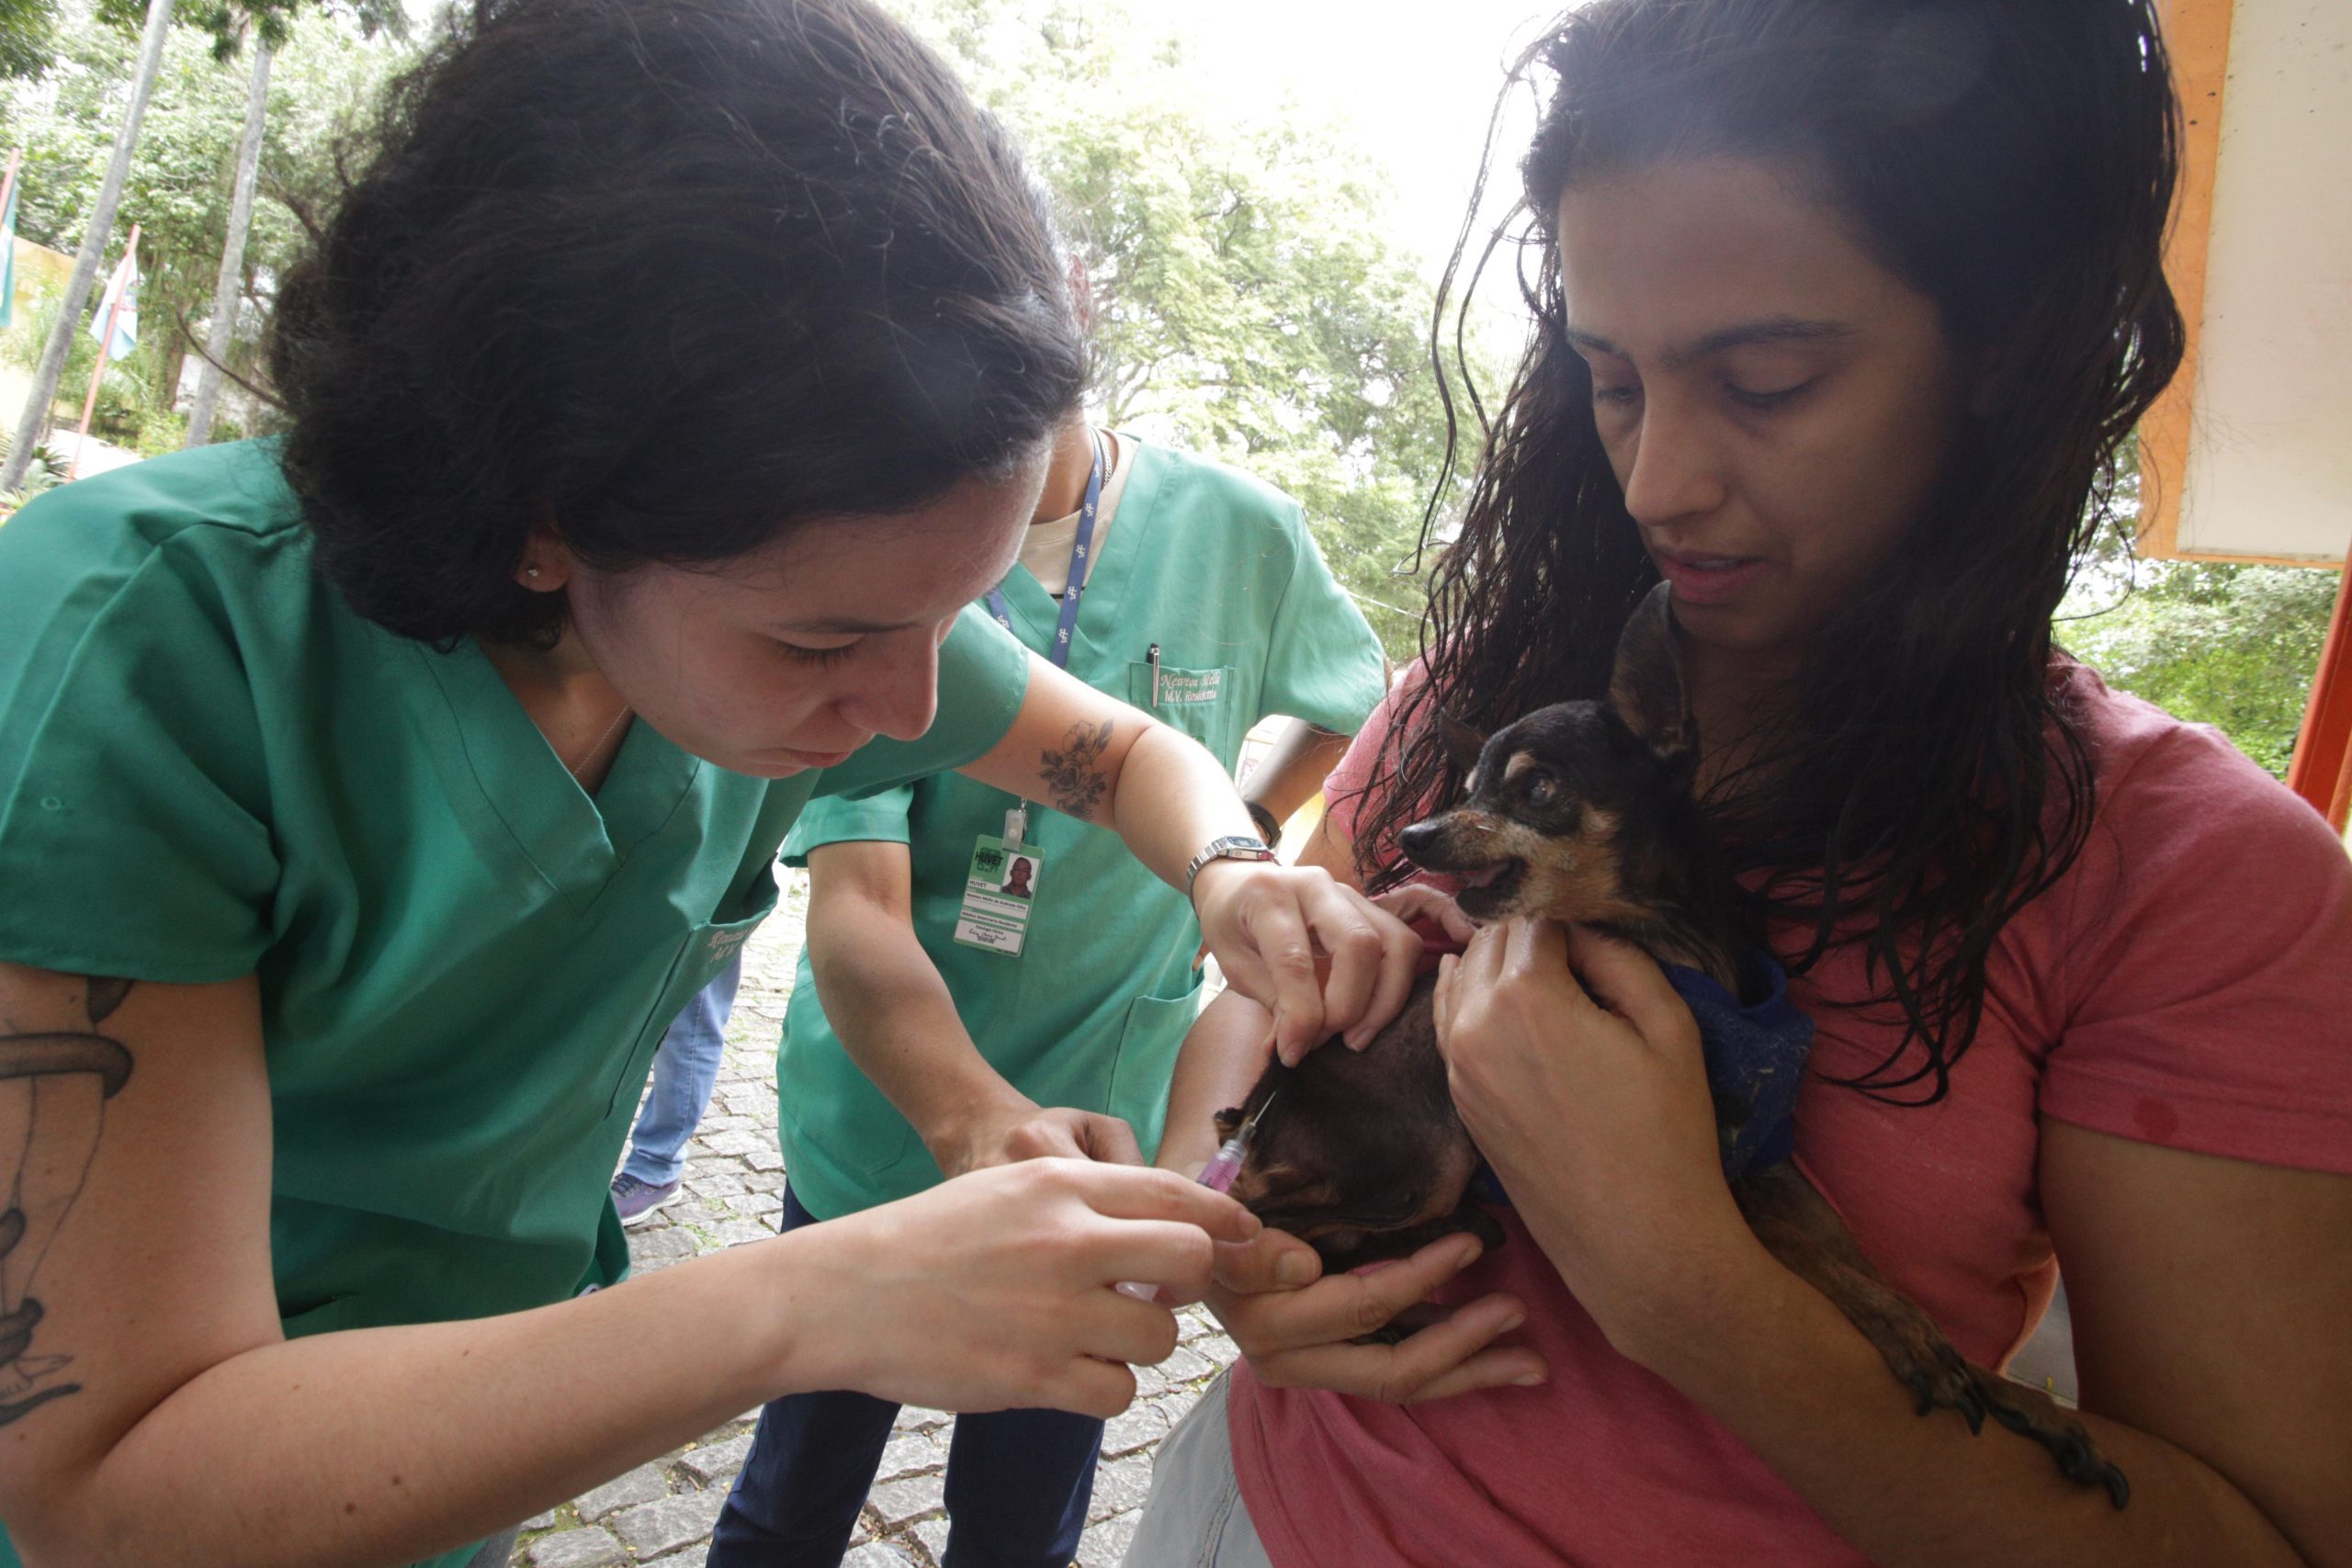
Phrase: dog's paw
x=1915 y=1351
x=2031 y=1414
x=1941 y=1378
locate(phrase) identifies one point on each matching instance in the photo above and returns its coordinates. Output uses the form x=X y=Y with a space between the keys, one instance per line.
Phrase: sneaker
x=637 y=1200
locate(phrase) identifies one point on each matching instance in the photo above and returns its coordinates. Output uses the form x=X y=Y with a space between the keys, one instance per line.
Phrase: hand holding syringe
x=1217 y=1176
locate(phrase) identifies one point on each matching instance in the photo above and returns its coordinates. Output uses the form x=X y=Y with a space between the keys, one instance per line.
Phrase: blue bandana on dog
x=1755 y=1058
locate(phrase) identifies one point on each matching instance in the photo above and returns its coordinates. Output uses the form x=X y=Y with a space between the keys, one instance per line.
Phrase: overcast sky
x=1417 y=78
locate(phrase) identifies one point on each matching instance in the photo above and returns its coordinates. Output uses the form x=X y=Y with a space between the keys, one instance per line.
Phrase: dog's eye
x=1542 y=790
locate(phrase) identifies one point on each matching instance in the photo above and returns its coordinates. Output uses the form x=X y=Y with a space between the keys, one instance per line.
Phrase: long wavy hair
x=2015 y=163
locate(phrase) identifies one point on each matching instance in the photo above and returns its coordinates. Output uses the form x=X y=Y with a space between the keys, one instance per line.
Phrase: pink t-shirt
x=2186 y=984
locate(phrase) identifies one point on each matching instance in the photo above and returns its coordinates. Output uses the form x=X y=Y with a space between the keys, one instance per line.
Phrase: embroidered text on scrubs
x=1074 y=780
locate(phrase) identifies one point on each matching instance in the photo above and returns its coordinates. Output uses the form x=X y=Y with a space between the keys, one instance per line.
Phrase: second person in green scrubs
x=916 y=1046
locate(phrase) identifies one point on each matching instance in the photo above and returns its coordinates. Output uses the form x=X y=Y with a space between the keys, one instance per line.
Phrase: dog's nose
x=1418 y=839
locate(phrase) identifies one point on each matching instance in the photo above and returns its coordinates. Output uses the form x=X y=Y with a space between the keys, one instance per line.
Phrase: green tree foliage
x=1247 y=300
x=230 y=23
x=2235 y=647
x=28 y=36
x=180 y=176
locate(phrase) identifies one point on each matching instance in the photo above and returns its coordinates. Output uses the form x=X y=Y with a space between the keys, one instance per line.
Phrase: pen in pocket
x=1152 y=659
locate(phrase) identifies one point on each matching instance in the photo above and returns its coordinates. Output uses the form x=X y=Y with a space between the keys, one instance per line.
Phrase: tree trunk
x=169 y=359
x=35 y=418
x=168 y=297
x=222 y=333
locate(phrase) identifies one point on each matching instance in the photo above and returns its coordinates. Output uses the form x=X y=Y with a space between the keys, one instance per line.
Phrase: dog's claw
x=1938 y=1376
x=2028 y=1413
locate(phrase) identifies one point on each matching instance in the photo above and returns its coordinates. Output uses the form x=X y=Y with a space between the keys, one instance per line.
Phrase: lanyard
x=1082 y=550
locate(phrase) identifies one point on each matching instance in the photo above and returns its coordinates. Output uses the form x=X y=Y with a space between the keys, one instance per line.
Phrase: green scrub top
x=1220 y=571
x=210 y=767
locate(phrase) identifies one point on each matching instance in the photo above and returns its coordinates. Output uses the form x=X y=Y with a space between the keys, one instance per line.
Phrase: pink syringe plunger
x=1224 y=1164
x=1217 y=1176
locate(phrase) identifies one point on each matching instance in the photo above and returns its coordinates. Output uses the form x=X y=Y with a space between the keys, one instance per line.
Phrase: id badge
x=998 y=896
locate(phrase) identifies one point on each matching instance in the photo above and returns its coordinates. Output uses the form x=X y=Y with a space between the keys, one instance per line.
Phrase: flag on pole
x=123 y=287
x=8 y=258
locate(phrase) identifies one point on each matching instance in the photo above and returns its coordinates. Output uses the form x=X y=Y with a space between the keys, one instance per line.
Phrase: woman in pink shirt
x=1844 y=312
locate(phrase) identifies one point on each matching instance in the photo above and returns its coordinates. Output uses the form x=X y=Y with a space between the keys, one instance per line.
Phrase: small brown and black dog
x=1584 y=812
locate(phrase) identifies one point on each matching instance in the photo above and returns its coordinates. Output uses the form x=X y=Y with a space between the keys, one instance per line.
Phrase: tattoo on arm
x=1075 y=781
x=53 y=1089
x=102 y=994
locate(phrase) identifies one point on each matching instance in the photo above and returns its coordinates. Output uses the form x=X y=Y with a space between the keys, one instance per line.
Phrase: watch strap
x=1233 y=846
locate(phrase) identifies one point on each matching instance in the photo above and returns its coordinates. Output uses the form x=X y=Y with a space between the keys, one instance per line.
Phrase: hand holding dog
x=1017 y=1128
x=1589 y=1100
x=1418 y=901
x=1298 y=1328
x=995 y=1289
x=1319 y=955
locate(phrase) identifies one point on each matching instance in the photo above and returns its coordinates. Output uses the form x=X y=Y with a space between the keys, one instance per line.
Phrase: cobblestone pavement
x=661 y=1513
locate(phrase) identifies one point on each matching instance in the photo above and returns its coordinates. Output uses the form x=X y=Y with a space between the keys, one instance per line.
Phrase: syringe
x=1217 y=1176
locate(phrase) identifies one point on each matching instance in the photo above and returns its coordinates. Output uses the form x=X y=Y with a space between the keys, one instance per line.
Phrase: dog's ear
x=1464 y=745
x=1646 y=687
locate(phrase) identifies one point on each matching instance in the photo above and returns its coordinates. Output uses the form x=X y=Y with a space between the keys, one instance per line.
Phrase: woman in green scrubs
x=669 y=379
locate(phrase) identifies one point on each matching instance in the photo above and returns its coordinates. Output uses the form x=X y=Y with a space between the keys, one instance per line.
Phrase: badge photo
x=1000 y=893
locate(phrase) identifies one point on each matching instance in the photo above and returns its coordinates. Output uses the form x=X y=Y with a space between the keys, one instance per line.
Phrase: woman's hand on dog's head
x=1419 y=902
x=1316 y=953
x=1300 y=1329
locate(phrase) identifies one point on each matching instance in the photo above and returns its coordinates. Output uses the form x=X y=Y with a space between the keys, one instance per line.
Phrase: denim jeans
x=1018 y=1481
x=684 y=1069
x=1194 y=1517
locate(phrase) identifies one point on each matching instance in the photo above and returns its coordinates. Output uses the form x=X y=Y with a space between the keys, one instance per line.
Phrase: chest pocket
x=1203 y=702
x=706 y=950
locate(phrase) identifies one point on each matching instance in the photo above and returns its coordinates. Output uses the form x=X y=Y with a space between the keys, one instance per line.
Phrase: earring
x=531 y=571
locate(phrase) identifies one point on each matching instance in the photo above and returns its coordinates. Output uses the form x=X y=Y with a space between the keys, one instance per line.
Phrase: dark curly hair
x=671 y=274
x=2015 y=163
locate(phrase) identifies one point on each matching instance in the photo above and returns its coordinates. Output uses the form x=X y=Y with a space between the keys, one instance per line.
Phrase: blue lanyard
x=1082 y=550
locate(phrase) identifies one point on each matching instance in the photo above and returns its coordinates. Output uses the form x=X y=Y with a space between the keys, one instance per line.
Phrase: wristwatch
x=1268 y=828
x=1238 y=846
